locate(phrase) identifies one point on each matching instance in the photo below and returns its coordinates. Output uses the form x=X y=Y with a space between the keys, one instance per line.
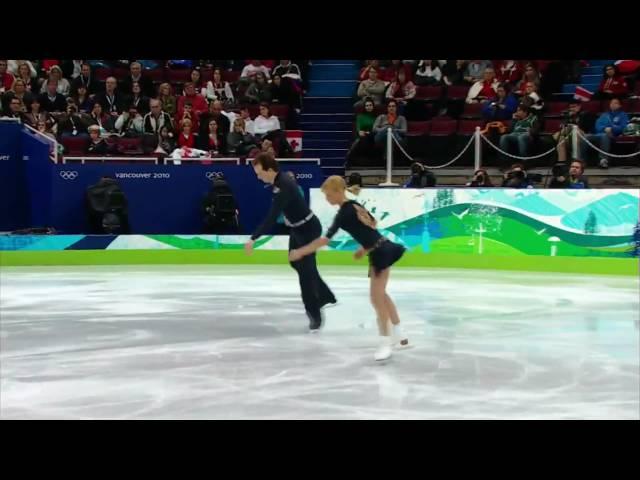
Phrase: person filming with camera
x=516 y=177
x=573 y=116
x=572 y=177
x=420 y=177
x=480 y=179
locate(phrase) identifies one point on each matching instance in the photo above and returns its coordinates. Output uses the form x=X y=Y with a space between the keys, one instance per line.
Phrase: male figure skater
x=304 y=228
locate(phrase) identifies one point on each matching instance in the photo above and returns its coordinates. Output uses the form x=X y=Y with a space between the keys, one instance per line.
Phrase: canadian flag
x=582 y=94
x=294 y=137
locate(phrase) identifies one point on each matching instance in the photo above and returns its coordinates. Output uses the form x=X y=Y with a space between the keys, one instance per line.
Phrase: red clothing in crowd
x=198 y=102
x=509 y=73
x=189 y=142
x=487 y=90
x=195 y=121
x=6 y=81
x=616 y=84
x=47 y=64
x=389 y=73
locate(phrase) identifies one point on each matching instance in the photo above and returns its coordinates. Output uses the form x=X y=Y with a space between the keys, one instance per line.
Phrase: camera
x=416 y=168
x=560 y=170
x=516 y=174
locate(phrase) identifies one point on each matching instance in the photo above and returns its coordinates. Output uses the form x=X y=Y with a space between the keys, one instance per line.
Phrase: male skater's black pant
x=315 y=293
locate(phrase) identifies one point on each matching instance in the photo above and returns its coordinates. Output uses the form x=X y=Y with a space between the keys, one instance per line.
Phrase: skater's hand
x=248 y=247
x=295 y=255
x=359 y=253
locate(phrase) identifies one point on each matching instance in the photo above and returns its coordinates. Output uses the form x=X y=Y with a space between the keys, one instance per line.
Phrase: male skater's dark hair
x=266 y=161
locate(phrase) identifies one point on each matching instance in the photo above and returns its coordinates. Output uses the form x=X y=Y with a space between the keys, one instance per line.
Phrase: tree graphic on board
x=591 y=225
x=636 y=240
x=444 y=198
x=482 y=219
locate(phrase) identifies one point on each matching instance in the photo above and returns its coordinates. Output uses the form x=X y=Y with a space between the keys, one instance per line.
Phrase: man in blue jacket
x=609 y=125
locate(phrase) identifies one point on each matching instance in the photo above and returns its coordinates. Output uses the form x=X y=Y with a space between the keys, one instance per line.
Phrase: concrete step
x=324 y=152
x=592 y=71
x=327 y=117
x=334 y=72
x=335 y=104
x=571 y=87
x=326 y=143
x=591 y=78
x=326 y=126
x=599 y=63
x=336 y=62
x=346 y=136
x=332 y=88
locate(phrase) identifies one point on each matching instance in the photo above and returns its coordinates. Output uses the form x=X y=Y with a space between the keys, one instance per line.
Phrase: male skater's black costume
x=305 y=227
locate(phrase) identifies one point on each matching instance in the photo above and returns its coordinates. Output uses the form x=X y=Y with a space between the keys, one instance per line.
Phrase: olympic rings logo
x=69 y=174
x=212 y=175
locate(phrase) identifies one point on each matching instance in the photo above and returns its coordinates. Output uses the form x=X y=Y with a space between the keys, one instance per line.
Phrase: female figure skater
x=356 y=220
x=304 y=227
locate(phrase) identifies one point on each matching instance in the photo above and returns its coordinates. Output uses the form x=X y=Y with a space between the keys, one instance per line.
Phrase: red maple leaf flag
x=294 y=137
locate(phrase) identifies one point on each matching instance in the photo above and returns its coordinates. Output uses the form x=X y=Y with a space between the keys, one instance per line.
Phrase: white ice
x=230 y=342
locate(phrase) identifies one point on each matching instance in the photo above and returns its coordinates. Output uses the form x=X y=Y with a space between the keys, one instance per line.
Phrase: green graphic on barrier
x=594 y=223
x=502 y=222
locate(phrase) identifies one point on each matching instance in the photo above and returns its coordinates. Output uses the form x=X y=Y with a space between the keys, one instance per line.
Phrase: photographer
x=71 y=124
x=107 y=208
x=573 y=116
x=571 y=177
x=130 y=123
x=219 y=209
x=516 y=177
x=420 y=177
x=480 y=179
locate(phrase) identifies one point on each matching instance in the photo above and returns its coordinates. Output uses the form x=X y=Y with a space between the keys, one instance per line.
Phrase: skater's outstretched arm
x=280 y=199
x=308 y=249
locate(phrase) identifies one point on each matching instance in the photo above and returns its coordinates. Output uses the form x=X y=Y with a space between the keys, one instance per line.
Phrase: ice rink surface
x=230 y=342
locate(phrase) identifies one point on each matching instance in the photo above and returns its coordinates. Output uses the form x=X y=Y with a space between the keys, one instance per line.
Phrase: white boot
x=384 y=350
x=400 y=340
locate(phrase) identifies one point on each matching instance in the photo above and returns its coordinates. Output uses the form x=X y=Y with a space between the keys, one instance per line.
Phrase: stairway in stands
x=591 y=77
x=327 y=121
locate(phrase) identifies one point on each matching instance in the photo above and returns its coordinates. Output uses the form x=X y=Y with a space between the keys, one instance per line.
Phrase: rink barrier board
x=587 y=265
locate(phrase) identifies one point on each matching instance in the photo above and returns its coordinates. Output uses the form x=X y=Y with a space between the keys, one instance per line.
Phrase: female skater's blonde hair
x=337 y=184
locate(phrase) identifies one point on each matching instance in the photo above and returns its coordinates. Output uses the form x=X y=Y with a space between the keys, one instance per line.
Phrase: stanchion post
x=574 y=142
x=477 y=150
x=388 y=182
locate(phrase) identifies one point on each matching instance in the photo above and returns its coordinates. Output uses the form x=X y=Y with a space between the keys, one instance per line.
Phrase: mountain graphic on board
x=612 y=210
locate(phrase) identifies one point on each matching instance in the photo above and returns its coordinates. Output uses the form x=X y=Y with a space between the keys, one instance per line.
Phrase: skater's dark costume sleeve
x=286 y=199
x=356 y=220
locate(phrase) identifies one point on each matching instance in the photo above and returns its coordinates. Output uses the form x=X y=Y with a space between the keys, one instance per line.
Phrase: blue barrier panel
x=165 y=198
x=35 y=155
x=13 y=196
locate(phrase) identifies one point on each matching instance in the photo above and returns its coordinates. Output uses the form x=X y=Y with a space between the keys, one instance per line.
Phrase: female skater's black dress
x=356 y=220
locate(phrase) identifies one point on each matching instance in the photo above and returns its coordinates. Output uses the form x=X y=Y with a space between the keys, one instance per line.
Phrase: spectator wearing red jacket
x=613 y=84
x=188 y=113
x=6 y=78
x=197 y=101
x=509 y=71
x=390 y=73
x=186 y=138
